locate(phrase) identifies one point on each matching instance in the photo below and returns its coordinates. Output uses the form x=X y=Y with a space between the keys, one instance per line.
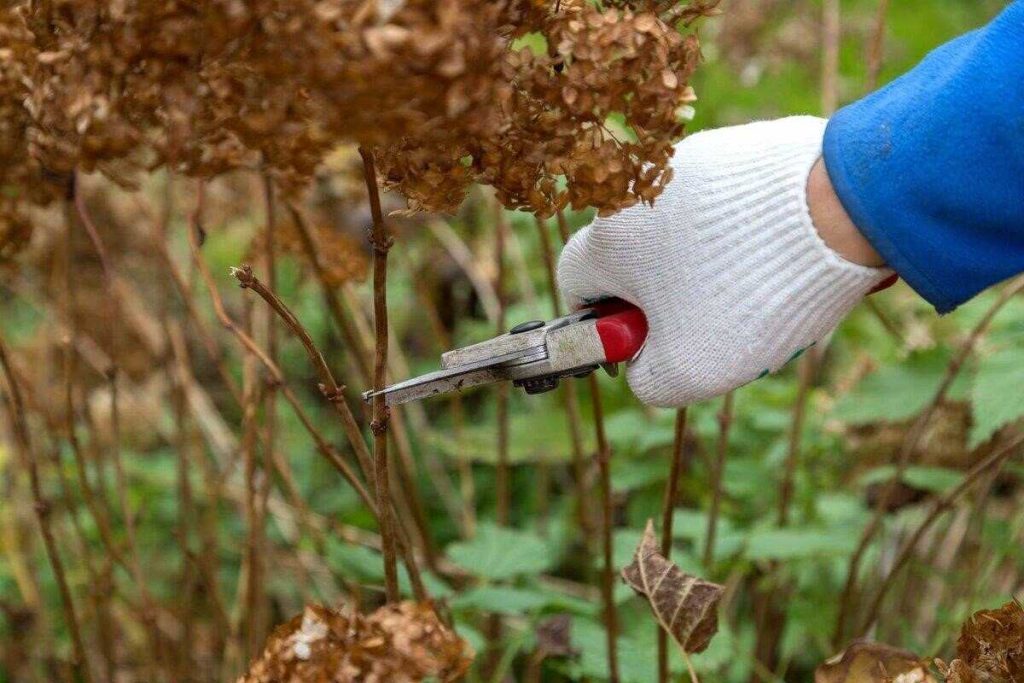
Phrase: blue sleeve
x=931 y=168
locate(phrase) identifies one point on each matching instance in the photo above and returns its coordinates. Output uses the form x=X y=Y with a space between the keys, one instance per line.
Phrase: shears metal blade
x=534 y=355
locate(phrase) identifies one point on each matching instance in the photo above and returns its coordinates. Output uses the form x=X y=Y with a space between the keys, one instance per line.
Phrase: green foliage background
x=512 y=569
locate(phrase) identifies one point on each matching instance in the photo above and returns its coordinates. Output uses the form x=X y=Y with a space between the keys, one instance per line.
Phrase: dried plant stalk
x=909 y=447
x=945 y=502
x=668 y=506
x=247 y=280
x=41 y=507
x=725 y=417
x=381 y=242
x=604 y=457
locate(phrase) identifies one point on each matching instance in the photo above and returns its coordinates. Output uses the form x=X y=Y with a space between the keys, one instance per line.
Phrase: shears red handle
x=622 y=328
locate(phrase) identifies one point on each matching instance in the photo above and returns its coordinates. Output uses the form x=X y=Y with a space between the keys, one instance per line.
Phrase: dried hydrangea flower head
x=553 y=103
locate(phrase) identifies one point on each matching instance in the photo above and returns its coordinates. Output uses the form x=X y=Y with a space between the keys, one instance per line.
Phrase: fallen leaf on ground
x=686 y=606
x=865 y=662
x=398 y=643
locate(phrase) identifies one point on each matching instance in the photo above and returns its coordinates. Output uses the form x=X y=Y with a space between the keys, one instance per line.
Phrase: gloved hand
x=727 y=265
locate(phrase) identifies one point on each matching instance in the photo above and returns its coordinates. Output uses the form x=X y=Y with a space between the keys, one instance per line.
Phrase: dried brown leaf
x=686 y=606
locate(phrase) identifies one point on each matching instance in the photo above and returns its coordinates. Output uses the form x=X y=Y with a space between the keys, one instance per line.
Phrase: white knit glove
x=727 y=265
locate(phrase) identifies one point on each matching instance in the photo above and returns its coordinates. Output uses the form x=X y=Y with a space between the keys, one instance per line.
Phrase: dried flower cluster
x=990 y=647
x=450 y=92
x=548 y=116
x=400 y=642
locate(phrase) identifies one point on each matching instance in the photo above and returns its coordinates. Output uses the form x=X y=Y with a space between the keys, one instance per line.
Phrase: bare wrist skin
x=832 y=222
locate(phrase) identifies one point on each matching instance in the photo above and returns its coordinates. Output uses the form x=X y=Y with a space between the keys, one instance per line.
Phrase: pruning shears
x=535 y=355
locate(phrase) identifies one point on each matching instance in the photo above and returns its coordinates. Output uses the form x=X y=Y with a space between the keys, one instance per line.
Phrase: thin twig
x=94 y=502
x=330 y=387
x=359 y=352
x=503 y=484
x=414 y=515
x=121 y=484
x=350 y=327
x=941 y=504
x=467 y=483
x=381 y=241
x=831 y=27
x=41 y=507
x=257 y=630
x=885 y=321
x=909 y=447
x=604 y=456
x=572 y=411
x=725 y=416
x=668 y=506
x=206 y=337
x=250 y=346
x=805 y=372
x=462 y=256
x=247 y=613
x=876 y=50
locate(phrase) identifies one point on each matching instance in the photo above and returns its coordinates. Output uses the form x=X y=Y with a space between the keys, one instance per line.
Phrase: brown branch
x=604 y=456
x=408 y=499
x=275 y=372
x=876 y=50
x=41 y=507
x=549 y=265
x=467 y=484
x=725 y=419
x=121 y=484
x=349 y=334
x=668 y=506
x=885 y=321
x=503 y=477
x=186 y=503
x=96 y=505
x=244 y=629
x=260 y=476
x=207 y=339
x=572 y=411
x=805 y=372
x=604 y=468
x=329 y=387
x=909 y=447
x=464 y=258
x=381 y=241
x=831 y=28
x=941 y=505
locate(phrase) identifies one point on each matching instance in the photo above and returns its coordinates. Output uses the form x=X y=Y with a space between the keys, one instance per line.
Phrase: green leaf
x=500 y=599
x=896 y=392
x=996 y=396
x=499 y=553
x=630 y=430
x=935 y=479
x=637 y=663
x=796 y=542
x=629 y=474
x=692 y=525
x=839 y=508
x=360 y=564
x=537 y=436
